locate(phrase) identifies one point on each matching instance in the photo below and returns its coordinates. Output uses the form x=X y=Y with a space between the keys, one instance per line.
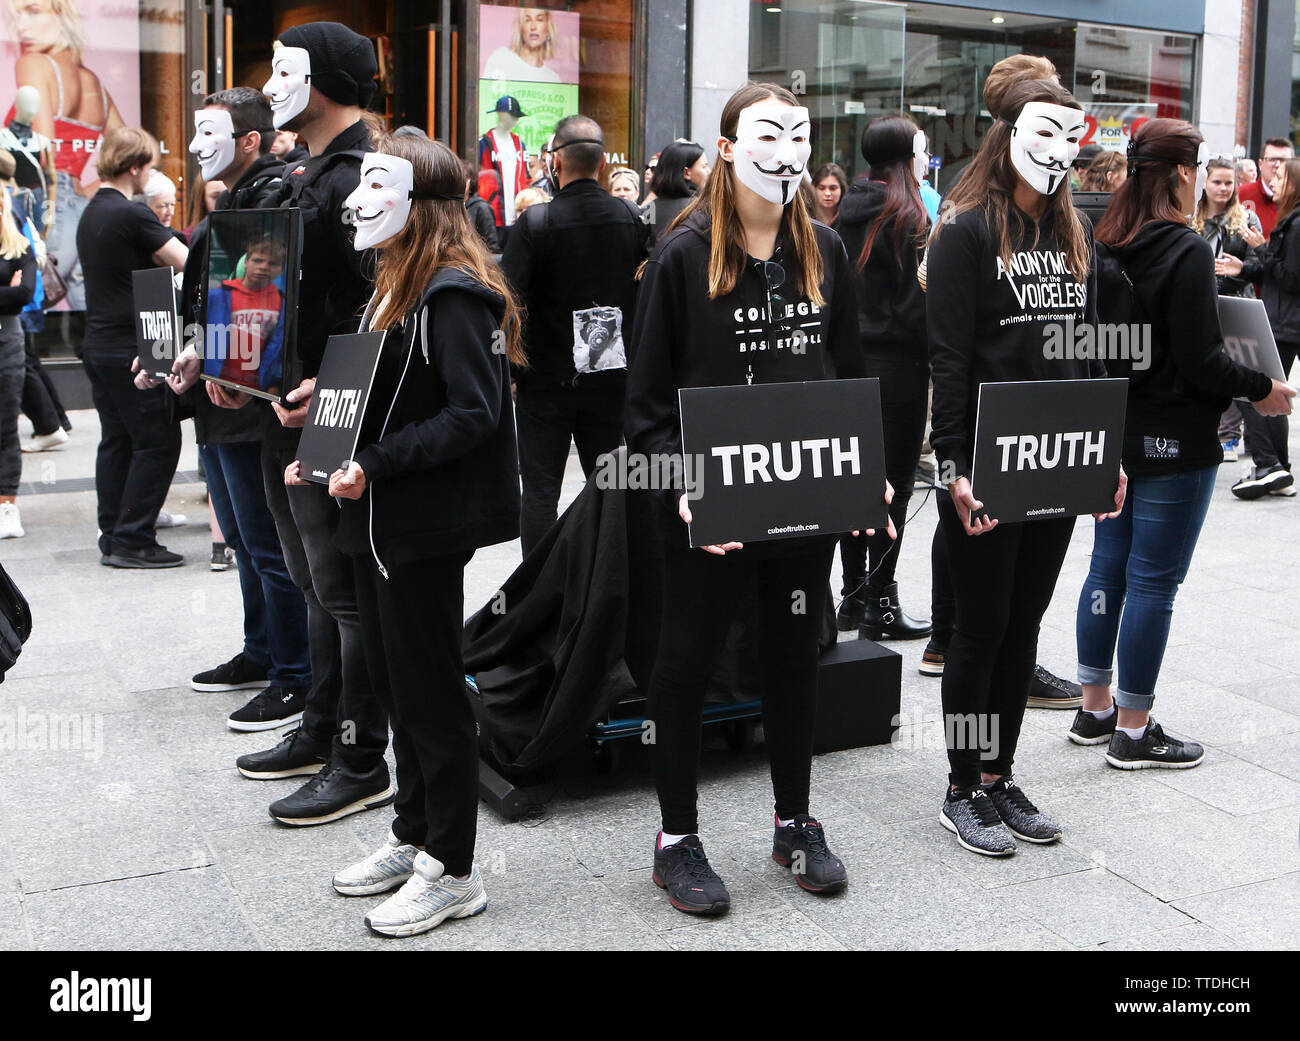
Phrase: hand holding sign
x=185 y=371
x=1278 y=402
x=291 y=474
x=143 y=381
x=350 y=483
x=684 y=512
x=890 y=530
x=1120 y=494
x=969 y=507
x=224 y=398
x=299 y=396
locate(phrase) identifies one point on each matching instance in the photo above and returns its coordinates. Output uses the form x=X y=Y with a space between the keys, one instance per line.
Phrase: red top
x=1253 y=197
x=74 y=140
x=254 y=313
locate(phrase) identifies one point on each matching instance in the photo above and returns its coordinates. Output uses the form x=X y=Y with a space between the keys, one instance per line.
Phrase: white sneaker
x=11 y=524
x=170 y=520
x=428 y=898
x=386 y=868
x=45 y=442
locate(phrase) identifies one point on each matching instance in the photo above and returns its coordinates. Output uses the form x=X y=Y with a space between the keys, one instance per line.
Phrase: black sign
x=157 y=326
x=1048 y=448
x=338 y=405
x=1248 y=336
x=781 y=460
x=249 y=313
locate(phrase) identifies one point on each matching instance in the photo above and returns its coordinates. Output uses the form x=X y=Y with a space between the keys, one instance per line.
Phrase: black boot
x=849 y=616
x=883 y=619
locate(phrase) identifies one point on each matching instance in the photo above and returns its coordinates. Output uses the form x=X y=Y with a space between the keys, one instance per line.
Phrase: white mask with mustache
x=382 y=200
x=289 y=88
x=1044 y=142
x=771 y=150
x=214 y=141
x=920 y=157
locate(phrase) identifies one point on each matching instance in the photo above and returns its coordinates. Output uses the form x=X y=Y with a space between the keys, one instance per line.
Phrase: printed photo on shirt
x=598 y=340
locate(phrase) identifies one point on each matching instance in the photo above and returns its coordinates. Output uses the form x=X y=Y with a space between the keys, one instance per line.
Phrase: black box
x=859 y=696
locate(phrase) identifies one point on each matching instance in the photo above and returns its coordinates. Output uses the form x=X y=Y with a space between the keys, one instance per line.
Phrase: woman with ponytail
x=883 y=224
x=439 y=481
x=745 y=247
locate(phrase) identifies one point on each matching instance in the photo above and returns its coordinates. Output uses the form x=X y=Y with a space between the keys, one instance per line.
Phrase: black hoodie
x=1280 y=284
x=891 y=303
x=989 y=324
x=442 y=475
x=681 y=338
x=1174 y=405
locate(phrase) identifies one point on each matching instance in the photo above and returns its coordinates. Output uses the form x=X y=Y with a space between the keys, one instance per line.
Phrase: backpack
x=15 y=622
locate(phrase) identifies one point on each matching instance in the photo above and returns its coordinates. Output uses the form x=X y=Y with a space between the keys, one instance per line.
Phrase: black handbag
x=15 y=622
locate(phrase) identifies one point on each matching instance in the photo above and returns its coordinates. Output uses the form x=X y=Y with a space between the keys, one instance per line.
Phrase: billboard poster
x=1111 y=125
x=75 y=76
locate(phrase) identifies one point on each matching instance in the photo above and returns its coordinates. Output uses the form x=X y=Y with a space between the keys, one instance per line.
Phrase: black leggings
x=1002 y=582
x=700 y=591
x=1266 y=436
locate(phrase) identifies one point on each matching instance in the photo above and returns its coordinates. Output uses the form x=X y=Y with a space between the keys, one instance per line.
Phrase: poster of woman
x=528 y=44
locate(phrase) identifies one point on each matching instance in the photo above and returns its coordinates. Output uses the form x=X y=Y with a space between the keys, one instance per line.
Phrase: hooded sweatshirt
x=891 y=303
x=988 y=321
x=1174 y=404
x=442 y=472
x=681 y=338
x=1280 y=281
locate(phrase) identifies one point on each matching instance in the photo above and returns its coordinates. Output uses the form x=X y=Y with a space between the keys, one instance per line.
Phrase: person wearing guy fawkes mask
x=692 y=330
x=573 y=263
x=232 y=142
x=322 y=76
x=1003 y=575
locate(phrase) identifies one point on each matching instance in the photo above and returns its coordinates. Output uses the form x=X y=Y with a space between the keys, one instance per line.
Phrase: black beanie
x=343 y=65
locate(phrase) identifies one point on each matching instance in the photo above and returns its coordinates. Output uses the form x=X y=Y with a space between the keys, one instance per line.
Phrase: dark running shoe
x=1025 y=820
x=334 y=793
x=1153 y=749
x=969 y=814
x=802 y=848
x=1048 y=691
x=149 y=558
x=683 y=872
x=274 y=707
x=1259 y=481
x=237 y=674
x=295 y=756
x=1089 y=730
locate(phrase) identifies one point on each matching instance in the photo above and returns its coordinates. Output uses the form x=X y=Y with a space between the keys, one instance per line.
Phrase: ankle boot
x=883 y=619
x=849 y=616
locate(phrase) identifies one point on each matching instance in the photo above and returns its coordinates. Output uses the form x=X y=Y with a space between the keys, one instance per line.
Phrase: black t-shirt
x=114 y=238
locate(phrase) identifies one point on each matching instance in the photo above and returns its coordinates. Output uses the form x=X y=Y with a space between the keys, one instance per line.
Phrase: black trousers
x=943 y=608
x=1003 y=581
x=700 y=591
x=139 y=446
x=41 y=402
x=1266 y=436
x=411 y=623
x=903 y=385
x=549 y=418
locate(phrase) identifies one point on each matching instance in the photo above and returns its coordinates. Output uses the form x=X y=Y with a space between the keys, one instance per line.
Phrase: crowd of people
x=579 y=326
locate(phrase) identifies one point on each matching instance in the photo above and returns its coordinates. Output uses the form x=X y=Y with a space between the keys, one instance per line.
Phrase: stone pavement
x=136 y=832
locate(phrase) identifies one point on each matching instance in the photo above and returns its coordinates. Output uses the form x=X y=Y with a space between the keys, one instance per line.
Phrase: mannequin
x=500 y=149
x=34 y=153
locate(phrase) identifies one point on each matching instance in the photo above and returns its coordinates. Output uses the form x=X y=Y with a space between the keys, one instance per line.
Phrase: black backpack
x=15 y=622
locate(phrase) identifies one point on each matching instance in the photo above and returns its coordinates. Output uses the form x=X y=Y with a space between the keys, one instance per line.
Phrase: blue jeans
x=275 y=613
x=1139 y=559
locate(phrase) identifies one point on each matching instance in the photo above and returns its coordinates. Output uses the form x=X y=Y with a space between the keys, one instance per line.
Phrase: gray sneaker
x=971 y=816
x=428 y=898
x=386 y=868
x=1025 y=820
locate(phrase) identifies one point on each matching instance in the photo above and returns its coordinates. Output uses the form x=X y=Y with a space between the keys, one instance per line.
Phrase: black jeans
x=903 y=385
x=41 y=402
x=943 y=607
x=700 y=591
x=411 y=623
x=12 y=367
x=1266 y=436
x=1003 y=581
x=139 y=446
x=342 y=707
x=549 y=418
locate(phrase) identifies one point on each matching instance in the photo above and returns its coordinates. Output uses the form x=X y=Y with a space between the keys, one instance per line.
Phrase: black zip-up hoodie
x=442 y=475
x=1280 y=283
x=988 y=324
x=1174 y=405
x=681 y=338
x=891 y=303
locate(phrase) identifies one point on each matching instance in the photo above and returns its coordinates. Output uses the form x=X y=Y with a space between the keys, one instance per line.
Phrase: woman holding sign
x=1171 y=445
x=439 y=481
x=729 y=297
x=1009 y=260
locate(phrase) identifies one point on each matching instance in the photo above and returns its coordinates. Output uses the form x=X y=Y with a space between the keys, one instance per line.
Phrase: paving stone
x=1261 y=915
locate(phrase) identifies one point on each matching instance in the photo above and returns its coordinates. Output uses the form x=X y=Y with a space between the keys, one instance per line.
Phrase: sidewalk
x=141 y=835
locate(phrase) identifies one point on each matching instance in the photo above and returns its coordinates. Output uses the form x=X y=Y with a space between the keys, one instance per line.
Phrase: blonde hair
x=528 y=197
x=1012 y=70
x=1234 y=214
x=13 y=243
x=71 y=27
x=517 y=33
x=624 y=171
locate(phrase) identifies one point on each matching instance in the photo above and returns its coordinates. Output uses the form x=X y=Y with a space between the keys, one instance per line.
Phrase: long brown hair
x=887 y=148
x=1156 y=151
x=726 y=236
x=1097 y=177
x=437 y=234
x=1290 y=195
x=989 y=183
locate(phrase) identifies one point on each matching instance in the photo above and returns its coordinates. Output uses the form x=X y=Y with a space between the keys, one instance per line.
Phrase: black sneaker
x=802 y=848
x=683 y=872
x=969 y=814
x=1024 y=819
x=151 y=557
x=295 y=755
x=1048 y=691
x=274 y=707
x=1087 y=729
x=237 y=674
x=1153 y=749
x=1258 y=481
x=335 y=792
